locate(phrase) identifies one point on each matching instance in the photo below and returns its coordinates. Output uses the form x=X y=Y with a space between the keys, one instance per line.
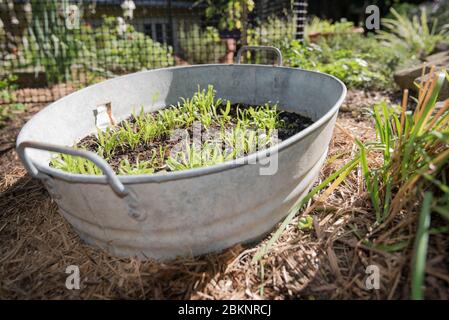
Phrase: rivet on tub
x=135 y=211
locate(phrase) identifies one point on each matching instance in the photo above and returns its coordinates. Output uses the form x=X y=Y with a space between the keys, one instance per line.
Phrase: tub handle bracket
x=117 y=186
x=260 y=48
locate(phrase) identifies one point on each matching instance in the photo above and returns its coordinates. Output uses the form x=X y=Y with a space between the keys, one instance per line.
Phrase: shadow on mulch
x=328 y=261
x=38 y=245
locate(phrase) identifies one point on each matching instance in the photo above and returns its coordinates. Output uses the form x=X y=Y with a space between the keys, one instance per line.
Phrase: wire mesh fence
x=52 y=47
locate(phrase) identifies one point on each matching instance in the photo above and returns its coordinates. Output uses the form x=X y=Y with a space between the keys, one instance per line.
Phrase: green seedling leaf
x=395 y=247
x=337 y=176
x=420 y=248
x=305 y=223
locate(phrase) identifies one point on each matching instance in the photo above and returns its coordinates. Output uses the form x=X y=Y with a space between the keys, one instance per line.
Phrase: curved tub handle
x=256 y=48
x=112 y=178
x=117 y=186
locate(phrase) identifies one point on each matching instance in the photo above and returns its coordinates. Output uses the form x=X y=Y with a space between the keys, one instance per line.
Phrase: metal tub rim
x=190 y=173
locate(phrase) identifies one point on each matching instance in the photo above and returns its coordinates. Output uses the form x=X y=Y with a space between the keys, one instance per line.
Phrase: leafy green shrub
x=8 y=106
x=436 y=10
x=317 y=25
x=230 y=13
x=197 y=45
x=273 y=32
x=352 y=68
x=358 y=60
x=354 y=72
x=381 y=58
x=50 y=45
x=416 y=35
x=130 y=51
x=404 y=8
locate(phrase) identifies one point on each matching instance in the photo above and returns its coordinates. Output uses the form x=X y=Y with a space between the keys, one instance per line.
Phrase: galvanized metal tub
x=189 y=212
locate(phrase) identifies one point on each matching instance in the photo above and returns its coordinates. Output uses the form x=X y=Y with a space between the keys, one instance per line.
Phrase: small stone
x=442 y=46
x=406 y=77
x=438 y=56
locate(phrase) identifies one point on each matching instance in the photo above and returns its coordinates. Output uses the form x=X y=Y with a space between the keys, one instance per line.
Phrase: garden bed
x=142 y=153
x=324 y=260
x=207 y=129
x=381 y=200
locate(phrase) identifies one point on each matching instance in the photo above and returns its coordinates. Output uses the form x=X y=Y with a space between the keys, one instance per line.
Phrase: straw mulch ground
x=327 y=261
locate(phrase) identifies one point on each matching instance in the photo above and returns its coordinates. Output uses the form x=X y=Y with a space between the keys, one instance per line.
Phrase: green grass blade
x=420 y=249
x=342 y=173
x=370 y=181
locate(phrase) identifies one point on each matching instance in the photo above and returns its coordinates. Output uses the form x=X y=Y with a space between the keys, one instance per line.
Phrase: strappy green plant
x=414 y=148
x=248 y=132
x=416 y=35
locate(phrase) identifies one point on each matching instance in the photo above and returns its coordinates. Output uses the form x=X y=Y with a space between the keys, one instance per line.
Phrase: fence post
x=300 y=15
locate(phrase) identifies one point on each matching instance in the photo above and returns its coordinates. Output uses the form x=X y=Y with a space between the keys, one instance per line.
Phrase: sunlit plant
x=249 y=130
x=411 y=180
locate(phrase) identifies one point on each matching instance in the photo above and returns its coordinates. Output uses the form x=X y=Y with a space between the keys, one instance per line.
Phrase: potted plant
x=205 y=201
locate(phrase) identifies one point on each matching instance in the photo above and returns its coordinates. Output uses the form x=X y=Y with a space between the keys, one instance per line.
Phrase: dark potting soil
x=293 y=123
